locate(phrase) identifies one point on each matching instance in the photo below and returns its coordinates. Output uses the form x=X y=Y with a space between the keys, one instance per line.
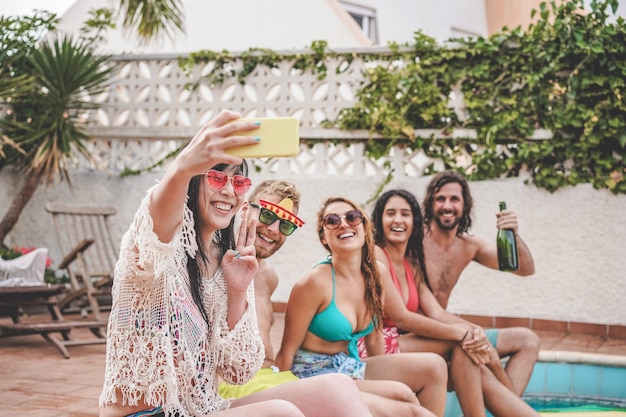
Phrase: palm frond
x=151 y=20
x=47 y=124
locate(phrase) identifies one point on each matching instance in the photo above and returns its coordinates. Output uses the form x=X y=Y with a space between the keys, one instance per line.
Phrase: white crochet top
x=159 y=347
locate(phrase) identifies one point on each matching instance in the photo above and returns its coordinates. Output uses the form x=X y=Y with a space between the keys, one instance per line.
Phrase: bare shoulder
x=473 y=243
x=382 y=265
x=383 y=270
x=481 y=250
x=380 y=256
x=318 y=278
x=266 y=277
x=314 y=288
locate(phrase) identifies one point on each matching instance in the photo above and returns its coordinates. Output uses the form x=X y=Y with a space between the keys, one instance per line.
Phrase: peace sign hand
x=240 y=265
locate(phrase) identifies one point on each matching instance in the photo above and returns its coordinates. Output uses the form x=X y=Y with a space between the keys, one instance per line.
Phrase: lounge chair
x=90 y=253
x=22 y=287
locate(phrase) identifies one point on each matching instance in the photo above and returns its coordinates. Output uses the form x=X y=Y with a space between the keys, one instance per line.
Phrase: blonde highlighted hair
x=369 y=268
x=282 y=189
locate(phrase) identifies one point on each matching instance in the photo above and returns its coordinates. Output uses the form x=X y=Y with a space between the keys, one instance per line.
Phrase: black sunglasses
x=268 y=217
x=333 y=221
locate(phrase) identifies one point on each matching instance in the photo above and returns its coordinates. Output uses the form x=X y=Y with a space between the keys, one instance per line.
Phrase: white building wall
x=236 y=26
x=284 y=24
x=399 y=19
x=287 y=24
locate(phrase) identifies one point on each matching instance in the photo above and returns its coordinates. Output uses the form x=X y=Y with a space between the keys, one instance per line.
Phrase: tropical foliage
x=48 y=83
x=564 y=74
x=47 y=86
x=152 y=19
x=18 y=38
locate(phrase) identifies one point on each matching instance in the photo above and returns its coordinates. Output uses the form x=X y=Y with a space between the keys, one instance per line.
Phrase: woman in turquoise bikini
x=340 y=301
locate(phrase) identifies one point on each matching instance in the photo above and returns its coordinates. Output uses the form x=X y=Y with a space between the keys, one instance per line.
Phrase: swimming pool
x=563 y=380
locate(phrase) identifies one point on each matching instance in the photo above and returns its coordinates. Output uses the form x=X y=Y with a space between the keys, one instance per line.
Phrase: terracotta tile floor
x=35 y=380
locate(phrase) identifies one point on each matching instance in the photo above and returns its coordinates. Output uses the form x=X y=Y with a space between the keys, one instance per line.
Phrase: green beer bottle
x=507 y=247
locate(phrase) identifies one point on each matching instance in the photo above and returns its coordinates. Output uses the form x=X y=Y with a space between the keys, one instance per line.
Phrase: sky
x=21 y=7
x=25 y=7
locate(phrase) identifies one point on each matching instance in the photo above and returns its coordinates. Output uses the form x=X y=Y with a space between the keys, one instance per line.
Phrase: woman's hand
x=239 y=267
x=477 y=346
x=478 y=357
x=207 y=148
x=204 y=151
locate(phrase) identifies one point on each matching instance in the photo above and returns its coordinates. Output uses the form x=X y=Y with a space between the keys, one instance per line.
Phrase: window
x=365 y=17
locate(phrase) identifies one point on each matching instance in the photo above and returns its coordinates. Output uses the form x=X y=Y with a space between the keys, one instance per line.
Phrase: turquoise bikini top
x=330 y=324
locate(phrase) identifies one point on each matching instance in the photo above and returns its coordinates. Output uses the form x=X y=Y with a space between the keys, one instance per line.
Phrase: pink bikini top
x=412 y=304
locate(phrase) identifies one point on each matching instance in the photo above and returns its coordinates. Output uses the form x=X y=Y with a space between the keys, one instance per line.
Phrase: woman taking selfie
x=183 y=311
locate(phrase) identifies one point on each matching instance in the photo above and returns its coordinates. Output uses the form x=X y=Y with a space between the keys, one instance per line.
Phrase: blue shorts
x=307 y=364
x=492 y=335
x=153 y=412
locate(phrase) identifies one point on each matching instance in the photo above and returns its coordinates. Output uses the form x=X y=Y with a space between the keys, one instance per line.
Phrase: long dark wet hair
x=438 y=181
x=223 y=239
x=415 y=247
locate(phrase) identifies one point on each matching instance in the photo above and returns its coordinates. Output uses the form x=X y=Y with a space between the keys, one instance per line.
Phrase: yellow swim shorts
x=264 y=379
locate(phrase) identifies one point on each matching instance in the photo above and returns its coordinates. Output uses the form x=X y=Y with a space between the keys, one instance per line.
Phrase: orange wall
x=510 y=13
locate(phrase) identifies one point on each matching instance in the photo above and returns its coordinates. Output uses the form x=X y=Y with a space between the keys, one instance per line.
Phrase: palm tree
x=8 y=84
x=45 y=126
x=151 y=19
x=50 y=87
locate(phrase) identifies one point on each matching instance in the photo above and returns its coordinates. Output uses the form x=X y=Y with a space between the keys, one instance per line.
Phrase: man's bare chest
x=444 y=267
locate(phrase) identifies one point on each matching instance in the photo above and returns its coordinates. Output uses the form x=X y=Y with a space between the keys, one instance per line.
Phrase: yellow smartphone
x=280 y=137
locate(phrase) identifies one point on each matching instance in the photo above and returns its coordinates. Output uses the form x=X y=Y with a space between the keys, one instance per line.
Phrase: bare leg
x=330 y=395
x=467 y=382
x=425 y=373
x=393 y=390
x=495 y=365
x=501 y=401
x=522 y=345
x=381 y=406
x=269 y=408
x=465 y=376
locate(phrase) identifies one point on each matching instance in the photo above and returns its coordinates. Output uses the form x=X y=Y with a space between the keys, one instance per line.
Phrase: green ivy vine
x=565 y=73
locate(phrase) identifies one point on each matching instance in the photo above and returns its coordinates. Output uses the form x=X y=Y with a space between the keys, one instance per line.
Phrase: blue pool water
x=572 y=404
x=561 y=385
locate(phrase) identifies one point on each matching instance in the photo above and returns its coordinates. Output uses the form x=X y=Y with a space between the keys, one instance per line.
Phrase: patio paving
x=37 y=381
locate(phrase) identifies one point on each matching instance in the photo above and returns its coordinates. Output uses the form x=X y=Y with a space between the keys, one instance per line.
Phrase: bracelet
x=464 y=336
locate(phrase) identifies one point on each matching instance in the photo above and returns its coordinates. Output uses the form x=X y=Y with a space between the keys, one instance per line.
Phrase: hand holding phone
x=280 y=137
